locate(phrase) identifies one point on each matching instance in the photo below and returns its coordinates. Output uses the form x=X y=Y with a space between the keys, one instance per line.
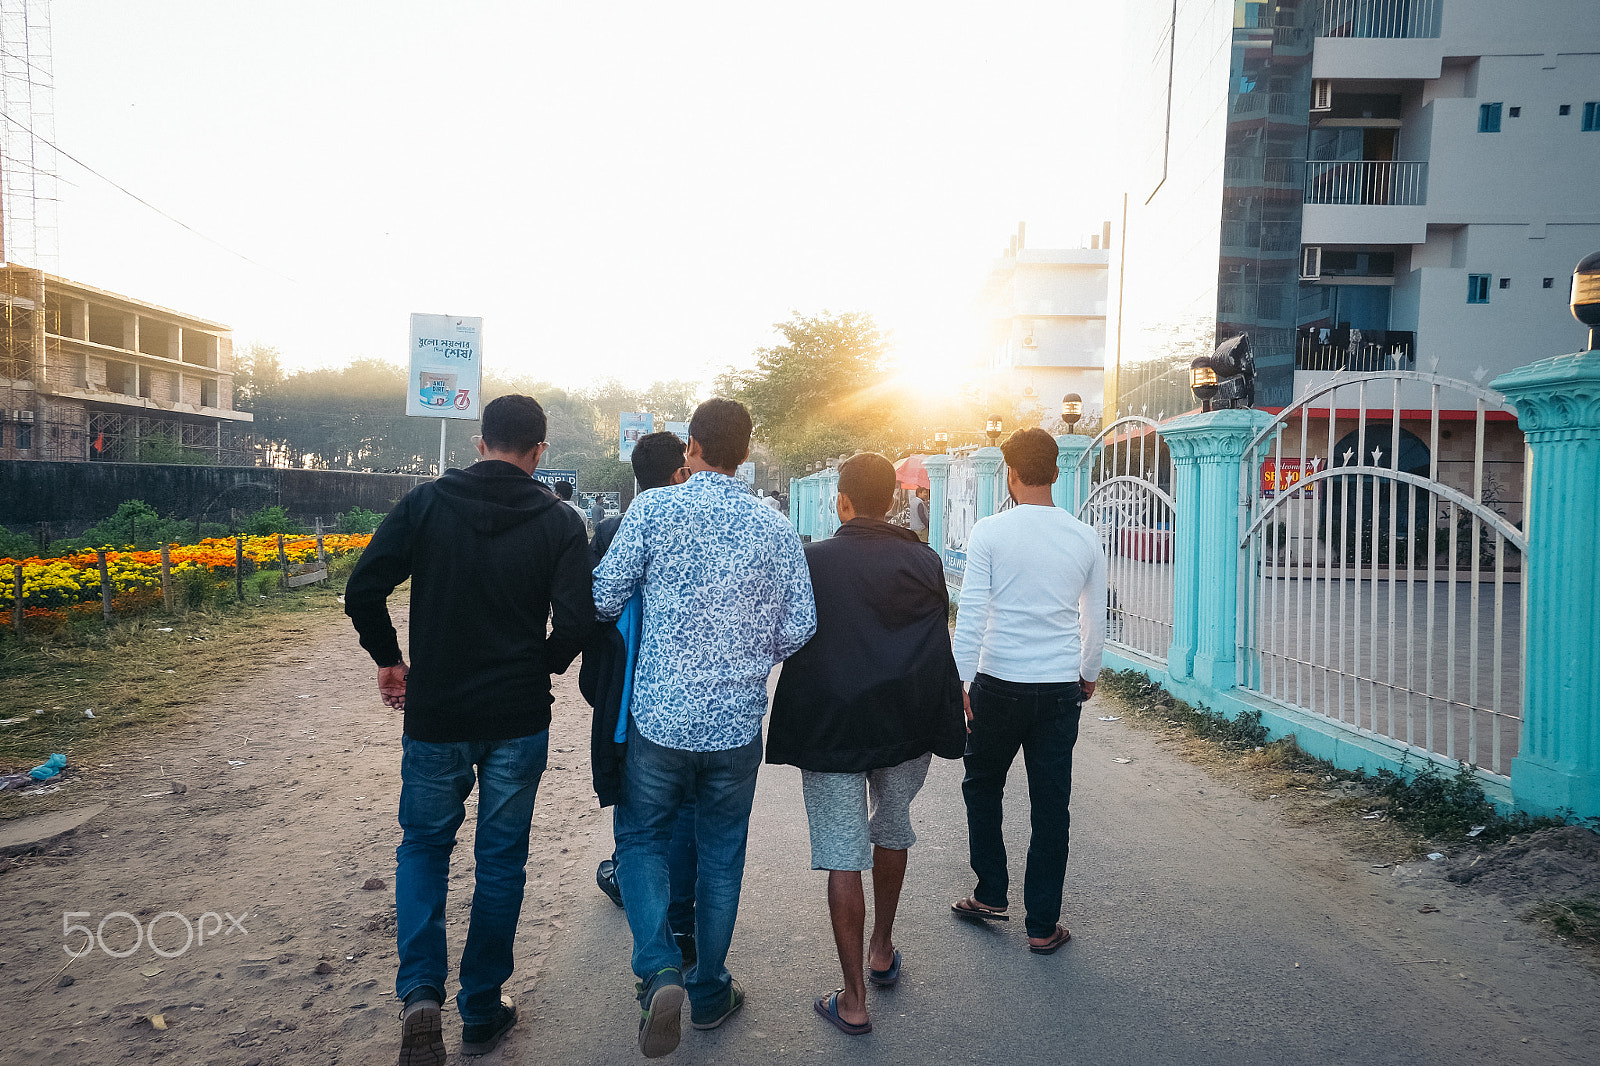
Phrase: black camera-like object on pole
x=1227 y=377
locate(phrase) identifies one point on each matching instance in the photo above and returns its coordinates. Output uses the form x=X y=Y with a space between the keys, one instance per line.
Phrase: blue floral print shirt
x=727 y=596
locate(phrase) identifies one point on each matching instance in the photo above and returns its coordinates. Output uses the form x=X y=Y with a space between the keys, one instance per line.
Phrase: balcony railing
x=1355 y=349
x=1393 y=183
x=1380 y=18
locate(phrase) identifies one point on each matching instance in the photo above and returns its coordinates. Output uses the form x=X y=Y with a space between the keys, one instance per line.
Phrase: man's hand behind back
x=1087 y=688
x=392 y=685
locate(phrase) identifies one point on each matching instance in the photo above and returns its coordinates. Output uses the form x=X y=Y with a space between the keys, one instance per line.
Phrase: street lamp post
x=993 y=428
x=1586 y=296
x=1071 y=410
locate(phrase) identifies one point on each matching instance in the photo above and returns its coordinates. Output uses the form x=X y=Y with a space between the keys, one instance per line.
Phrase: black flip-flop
x=886 y=978
x=978 y=912
x=1053 y=945
x=831 y=1013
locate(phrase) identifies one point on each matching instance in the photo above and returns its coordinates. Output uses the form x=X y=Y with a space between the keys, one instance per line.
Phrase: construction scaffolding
x=28 y=162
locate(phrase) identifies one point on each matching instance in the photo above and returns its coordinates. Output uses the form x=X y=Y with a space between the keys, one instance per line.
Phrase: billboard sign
x=681 y=429
x=446 y=366
x=550 y=477
x=1282 y=475
x=632 y=425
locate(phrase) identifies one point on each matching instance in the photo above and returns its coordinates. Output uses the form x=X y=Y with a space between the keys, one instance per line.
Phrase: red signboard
x=1284 y=475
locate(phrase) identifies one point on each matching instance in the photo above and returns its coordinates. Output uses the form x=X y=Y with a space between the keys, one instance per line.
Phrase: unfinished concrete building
x=92 y=376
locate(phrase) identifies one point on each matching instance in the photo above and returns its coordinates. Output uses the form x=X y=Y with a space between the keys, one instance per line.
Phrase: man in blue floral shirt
x=727 y=596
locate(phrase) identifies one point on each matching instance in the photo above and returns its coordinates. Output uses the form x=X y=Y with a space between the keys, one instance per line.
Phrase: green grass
x=134 y=676
x=1146 y=699
x=1575 y=919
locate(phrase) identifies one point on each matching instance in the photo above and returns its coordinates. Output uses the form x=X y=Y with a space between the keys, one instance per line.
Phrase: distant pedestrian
x=1029 y=637
x=607 y=683
x=726 y=598
x=862 y=709
x=490 y=552
x=917 y=514
x=597 y=511
x=564 y=491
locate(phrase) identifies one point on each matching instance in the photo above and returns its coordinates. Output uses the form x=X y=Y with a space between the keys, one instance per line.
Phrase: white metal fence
x=1381 y=577
x=1379 y=18
x=1128 y=470
x=1393 y=183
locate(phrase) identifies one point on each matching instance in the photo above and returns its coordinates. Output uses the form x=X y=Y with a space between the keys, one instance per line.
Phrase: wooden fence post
x=238 y=567
x=322 y=559
x=105 y=585
x=166 y=576
x=283 y=565
x=16 y=605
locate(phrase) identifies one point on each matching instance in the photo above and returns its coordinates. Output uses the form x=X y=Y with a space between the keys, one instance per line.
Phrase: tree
x=824 y=391
x=256 y=370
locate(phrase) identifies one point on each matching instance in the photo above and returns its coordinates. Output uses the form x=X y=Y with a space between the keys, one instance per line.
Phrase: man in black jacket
x=490 y=552
x=861 y=709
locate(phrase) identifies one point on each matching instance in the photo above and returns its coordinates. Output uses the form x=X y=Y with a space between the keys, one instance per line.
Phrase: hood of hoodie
x=494 y=496
x=901 y=596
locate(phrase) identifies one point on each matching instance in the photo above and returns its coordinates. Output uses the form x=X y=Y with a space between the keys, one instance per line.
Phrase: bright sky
x=626 y=189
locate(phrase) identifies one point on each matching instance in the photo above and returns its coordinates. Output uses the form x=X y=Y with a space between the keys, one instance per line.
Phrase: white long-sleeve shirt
x=1033 y=598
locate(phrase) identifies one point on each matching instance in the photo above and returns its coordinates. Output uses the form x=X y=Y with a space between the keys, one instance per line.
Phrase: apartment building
x=1044 y=321
x=1356 y=184
x=89 y=375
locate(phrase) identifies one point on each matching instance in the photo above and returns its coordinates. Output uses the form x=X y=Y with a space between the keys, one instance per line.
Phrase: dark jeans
x=682 y=868
x=656 y=783
x=435 y=780
x=1042 y=720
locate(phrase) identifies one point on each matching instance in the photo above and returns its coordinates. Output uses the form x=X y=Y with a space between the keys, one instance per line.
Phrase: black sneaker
x=685 y=942
x=723 y=1011
x=606 y=878
x=661 y=1014
x=480 y=1038
x=421 y=1034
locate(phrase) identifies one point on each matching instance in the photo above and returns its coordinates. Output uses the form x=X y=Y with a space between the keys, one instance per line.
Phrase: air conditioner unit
x=1322 y=94
x=1029 y=342
x=24 y=416
x=6 y=416
x=1311 y=262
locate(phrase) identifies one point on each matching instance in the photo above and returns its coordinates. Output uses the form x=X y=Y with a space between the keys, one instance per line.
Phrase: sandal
x=828 y=1007
x=1052 y=943
x=886 y=978
x=971 y=908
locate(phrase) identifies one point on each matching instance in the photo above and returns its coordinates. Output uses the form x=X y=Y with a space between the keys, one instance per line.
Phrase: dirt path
x=292 y=782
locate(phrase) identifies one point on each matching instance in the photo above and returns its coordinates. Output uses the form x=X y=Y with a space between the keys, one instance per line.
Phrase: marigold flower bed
x=56 y=590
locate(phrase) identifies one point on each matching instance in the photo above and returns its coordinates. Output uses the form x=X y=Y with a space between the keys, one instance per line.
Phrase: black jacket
x=877 y=685
x=490 y=552
x=601 y=679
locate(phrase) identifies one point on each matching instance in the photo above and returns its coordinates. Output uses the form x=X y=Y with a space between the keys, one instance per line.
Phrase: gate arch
x=1402 y=627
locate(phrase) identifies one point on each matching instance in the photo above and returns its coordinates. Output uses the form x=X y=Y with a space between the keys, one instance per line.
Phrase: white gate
x=1127 y=471
x=1381 y=563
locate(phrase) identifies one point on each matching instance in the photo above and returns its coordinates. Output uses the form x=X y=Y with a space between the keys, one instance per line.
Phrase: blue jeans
x=1042 y=720
x=682 y=869
x=656 y=783
x=435 y=780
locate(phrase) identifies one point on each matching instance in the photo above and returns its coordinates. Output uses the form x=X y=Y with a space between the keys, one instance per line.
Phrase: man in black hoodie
x=490 y=553
x=861 y=709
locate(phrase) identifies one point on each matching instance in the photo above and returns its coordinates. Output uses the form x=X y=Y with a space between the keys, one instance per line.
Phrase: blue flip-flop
x=828 y=1007
x=886 y=978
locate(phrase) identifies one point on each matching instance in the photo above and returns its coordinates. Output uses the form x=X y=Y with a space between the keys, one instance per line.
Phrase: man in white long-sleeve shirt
x=1028 y=639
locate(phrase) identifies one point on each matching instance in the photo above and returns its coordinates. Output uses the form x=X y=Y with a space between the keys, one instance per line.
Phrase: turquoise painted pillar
x=1072 y=483
x=1206 y=452
x=986 y=463
x=938 y=468
x=1557 y=766
x=794 y=497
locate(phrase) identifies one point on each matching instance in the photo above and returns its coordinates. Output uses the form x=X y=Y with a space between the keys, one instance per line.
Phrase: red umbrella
x=910 y=473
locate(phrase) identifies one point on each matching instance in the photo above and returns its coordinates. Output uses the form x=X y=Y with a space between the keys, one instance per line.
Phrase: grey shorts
x=849 y=813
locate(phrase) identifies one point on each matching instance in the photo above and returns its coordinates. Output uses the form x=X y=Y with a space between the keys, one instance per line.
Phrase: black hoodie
x=489 y=552
x=877 y=685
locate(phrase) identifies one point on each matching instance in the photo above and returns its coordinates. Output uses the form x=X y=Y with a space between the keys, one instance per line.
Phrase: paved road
x=1190 y=906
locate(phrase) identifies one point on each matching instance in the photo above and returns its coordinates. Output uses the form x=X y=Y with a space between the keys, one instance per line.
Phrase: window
x=1477 y=288
x=1591 y=116
x=24 y=435
x=1564 y=109
x=1488 y=118
x=1549 y=283
x=1505 y=283
x=1516 y=112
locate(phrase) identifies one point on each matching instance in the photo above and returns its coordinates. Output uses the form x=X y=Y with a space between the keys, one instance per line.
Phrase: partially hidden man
x=492 y=555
